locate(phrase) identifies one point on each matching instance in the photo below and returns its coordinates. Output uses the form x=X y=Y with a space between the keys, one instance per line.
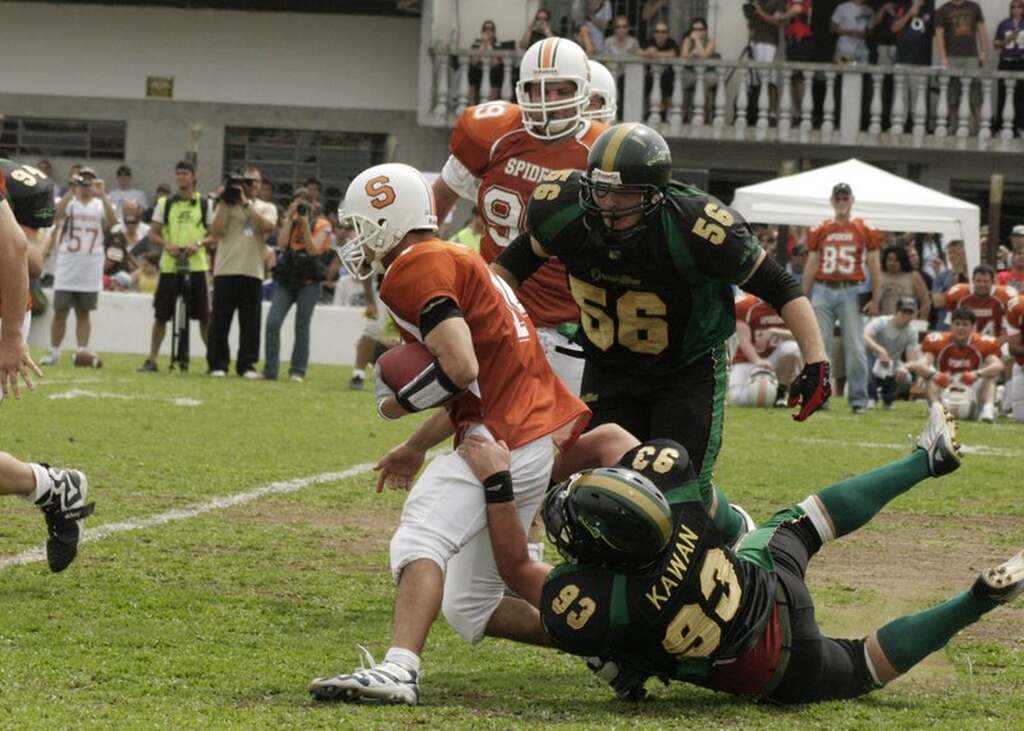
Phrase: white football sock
x=43 y=483
x=403 y=658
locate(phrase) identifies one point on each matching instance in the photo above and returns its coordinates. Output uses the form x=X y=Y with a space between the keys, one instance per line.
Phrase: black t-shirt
x=661 y=302
x=667 y=45
x=881 y=34
x=29 y=193
x=914 y=42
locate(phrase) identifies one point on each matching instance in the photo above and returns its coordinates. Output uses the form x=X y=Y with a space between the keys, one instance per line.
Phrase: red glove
x=941 y=379
x=811 y=390
x=968 y=377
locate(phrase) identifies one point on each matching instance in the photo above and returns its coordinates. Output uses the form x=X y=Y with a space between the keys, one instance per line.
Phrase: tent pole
x=995 y=207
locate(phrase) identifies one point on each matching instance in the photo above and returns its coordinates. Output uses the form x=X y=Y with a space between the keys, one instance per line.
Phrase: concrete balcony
x=895 y=107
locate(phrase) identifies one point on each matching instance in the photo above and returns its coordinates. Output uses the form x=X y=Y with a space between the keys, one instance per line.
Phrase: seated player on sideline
x=767 y=360
x=961 y=368
x=1015 y=346
x=650 y=588
x=26 y=204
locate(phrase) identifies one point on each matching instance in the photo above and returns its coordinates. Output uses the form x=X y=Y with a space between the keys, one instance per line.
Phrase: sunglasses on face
x=661 y=31
x=698 y=27
x=840 y=198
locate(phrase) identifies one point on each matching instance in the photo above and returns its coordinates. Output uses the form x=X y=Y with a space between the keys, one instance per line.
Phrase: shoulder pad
x=554 y=215
x=30 y=194
x=478 y=128
x=664 y=462
x=575 y=608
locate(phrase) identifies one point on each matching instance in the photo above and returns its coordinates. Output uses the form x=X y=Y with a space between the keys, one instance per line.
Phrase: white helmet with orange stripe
x=383 y=204
x=604 y=94
x=554 y=88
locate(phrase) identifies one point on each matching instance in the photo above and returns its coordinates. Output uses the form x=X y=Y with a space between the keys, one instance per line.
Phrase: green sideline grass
x=221 y=620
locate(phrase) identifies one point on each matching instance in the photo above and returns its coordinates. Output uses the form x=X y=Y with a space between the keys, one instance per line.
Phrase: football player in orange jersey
x=60 y=494
x=983 y=297
x=500 y=151
x=767 y=354
x=962 y=368
x=490 y=376
x=1015 y=344
x=604 y=94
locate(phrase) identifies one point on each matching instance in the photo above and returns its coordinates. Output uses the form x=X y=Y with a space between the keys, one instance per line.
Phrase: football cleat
x=938 y=440
x=64 y=508
x=373 y=682
x=988 y=413
x=1001 y=584
x=357 y=383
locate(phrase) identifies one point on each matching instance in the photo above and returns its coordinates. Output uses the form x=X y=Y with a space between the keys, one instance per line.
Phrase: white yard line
x=106 y=530
x=78 y=393
x=904 y=446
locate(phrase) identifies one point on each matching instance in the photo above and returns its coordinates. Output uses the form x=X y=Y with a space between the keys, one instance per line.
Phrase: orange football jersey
x=759 y=315
x=843 y=248
x=1012 y=279
x=988 y=309
x=516 y=395
x=1015 y=321
x=491 y=142
x=953 y=358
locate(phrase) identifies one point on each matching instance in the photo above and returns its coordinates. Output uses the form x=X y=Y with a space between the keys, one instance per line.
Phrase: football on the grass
x=403 y=363
x=87 y=359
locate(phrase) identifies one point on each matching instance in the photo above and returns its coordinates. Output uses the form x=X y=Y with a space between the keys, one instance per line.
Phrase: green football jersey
x=662 y=301
x=699 y=604
x=29 y=193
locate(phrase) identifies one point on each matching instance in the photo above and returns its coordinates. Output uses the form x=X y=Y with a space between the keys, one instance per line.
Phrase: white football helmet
x=603 y=87
x=383 y=204
x=960 y=401
x=760 y=389
x=546 y=61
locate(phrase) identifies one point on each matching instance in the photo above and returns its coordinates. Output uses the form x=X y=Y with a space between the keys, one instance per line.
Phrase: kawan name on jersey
x=670 y=578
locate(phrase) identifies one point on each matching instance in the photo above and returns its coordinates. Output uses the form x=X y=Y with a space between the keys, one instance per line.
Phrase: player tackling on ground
x=26 y=203
x=490 y=375
x=650 y=589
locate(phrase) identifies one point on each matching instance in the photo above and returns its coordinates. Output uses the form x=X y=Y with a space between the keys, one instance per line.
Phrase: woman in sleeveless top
x=900 y=280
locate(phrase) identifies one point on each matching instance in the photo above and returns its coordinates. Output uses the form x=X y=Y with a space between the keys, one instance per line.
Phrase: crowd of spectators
x=908 y=317
x=240 y=248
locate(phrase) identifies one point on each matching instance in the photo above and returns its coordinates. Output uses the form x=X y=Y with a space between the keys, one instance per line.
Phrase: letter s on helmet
x=383 y=204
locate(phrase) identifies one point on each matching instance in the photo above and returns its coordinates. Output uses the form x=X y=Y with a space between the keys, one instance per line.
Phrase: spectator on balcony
x=488 y=41
x=652 y=12
x=764 y=43
x=591 y=33
x=881 y=37
x=851 y=22
x=621 y=43
x=962 y=44
x=900 y=281
x=661 y=47
x=698 y=45
x=799 y=37
x=538 y=30
x=125 y=192
x=914 y=26
x=1010 y=42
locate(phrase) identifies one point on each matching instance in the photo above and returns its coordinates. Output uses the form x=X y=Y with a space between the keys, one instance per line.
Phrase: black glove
x=811 y=390
x=627 y=683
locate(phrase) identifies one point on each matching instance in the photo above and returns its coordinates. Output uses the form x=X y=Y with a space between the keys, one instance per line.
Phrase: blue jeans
x=305 y=299
x=842 y=303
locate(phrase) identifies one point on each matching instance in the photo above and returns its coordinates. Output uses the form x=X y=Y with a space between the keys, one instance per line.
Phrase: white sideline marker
x=36 y=555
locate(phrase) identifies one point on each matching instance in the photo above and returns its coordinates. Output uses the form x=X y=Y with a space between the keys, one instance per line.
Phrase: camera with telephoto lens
x=302 y=210
x=232 y=195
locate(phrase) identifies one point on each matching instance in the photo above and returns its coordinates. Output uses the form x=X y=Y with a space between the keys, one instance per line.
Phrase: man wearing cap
x=82 y=217
x=892 y=350
x=125 y=192
x=833 y=275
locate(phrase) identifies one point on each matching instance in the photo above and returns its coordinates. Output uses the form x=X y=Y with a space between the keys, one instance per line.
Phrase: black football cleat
x=1002 y=584
x=64 y=508
x=938 y=440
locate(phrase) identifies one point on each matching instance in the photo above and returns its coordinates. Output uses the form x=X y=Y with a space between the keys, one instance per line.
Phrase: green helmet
x=627 y=158
x=609 y=516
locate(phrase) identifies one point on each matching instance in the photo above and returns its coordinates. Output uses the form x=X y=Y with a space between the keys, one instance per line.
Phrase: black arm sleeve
x=773 y=284
x=520 y=259
x=437 y=311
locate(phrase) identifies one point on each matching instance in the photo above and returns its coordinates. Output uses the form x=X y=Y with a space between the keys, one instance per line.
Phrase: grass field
x=187 y=614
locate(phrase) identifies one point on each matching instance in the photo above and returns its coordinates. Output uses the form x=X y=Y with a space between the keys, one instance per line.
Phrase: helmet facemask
x=609 y=107
x=364 y=252
x=541 y=118
x=596 y=185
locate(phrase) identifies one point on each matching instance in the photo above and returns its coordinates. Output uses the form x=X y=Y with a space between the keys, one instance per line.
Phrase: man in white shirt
x=82 y=217
x=851 y=22
x=125 y=192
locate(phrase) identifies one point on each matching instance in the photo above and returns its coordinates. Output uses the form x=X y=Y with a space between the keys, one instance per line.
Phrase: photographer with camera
x=241 y=222
x=179 y=226
x=302 y=239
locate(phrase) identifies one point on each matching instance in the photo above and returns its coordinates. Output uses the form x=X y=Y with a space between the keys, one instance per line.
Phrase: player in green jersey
x=651 y=589
x=651 y=264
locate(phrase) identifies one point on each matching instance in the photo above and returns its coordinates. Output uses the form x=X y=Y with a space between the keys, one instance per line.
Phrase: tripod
x=180 y=322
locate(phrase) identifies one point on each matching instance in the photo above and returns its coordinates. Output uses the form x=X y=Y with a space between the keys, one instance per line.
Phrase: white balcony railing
x=856 y=105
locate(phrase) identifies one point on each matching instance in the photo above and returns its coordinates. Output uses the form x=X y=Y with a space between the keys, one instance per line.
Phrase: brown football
x=87 y=359
x=403 y=363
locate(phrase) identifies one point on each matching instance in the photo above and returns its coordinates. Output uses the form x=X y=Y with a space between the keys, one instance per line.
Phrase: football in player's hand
x=87 y=359
x=403 y=363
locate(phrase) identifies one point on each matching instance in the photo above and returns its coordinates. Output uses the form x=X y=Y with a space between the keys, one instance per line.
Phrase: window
x=82 y=139
x=288 y=157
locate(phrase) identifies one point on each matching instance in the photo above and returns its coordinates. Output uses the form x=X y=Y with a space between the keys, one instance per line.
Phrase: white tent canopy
x=885 y=201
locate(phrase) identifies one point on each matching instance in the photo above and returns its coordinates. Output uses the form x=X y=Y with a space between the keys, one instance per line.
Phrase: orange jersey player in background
x=987 y=300
x=961 y=368
x=767 y=359
x=1015 y=344
x=490 y=375
x=500 y=151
